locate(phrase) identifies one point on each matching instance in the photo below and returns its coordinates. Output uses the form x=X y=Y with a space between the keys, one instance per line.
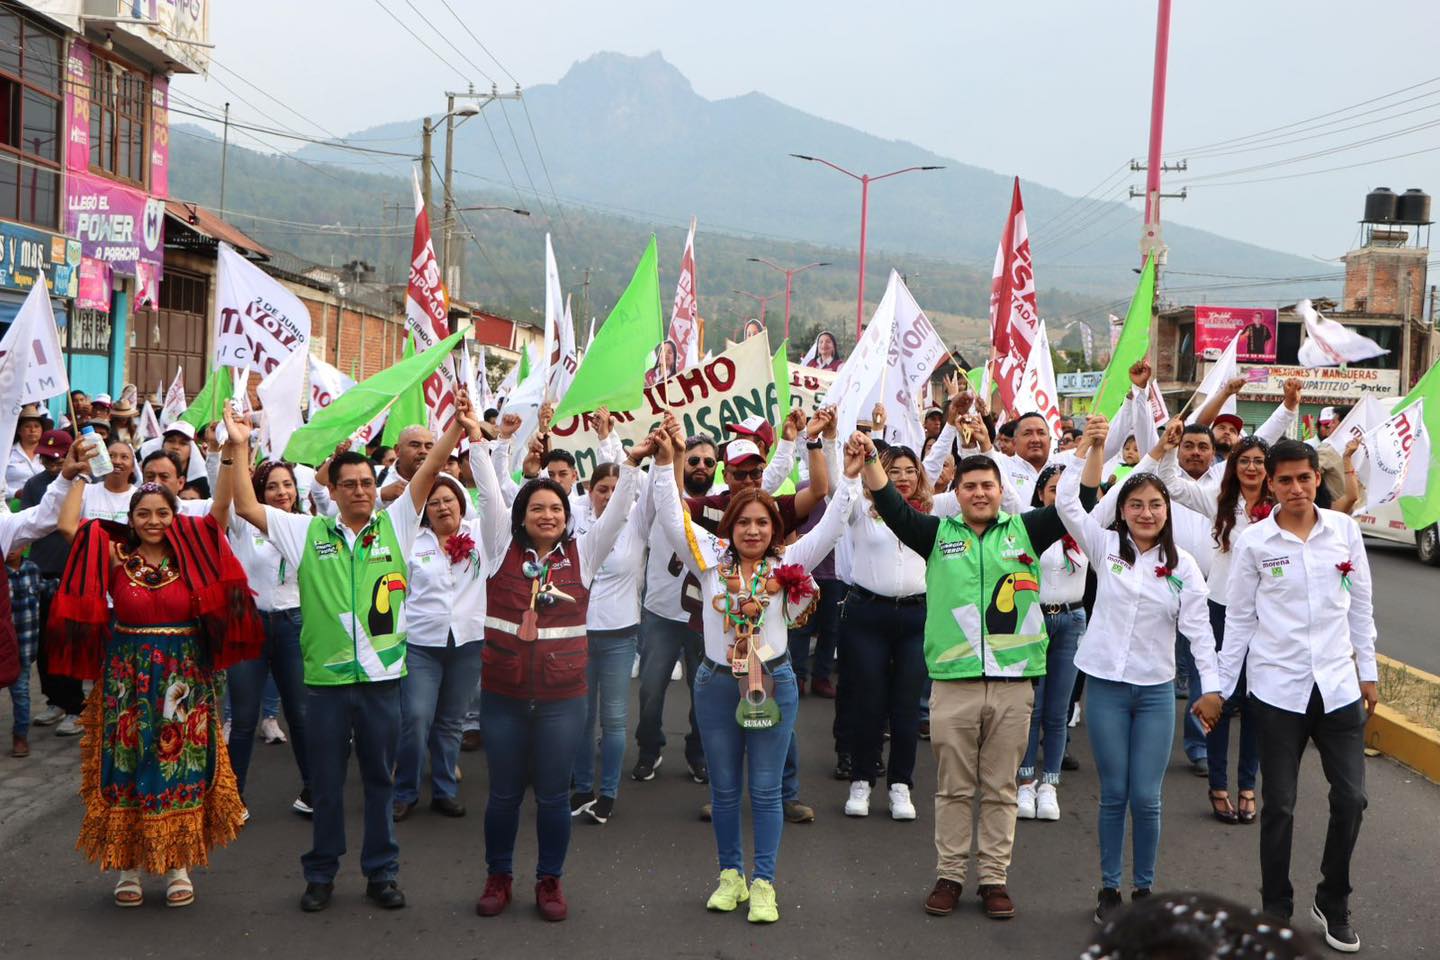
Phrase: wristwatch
x=815 y=444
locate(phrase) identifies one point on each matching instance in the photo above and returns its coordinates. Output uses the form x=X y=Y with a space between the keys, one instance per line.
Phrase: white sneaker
x=859 y=803
x=635 y=668
x=225 y=731
x=677 y=671
x=49 y=718
x=1047 y=804
x=270 y=731
x=1025 y=801
x=69 y=727
x=900 y=806
x=1075 y=715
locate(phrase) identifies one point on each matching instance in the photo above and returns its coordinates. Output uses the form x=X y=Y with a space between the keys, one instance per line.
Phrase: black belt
x=915 y=599
x=1052 y=609
x=770 y=665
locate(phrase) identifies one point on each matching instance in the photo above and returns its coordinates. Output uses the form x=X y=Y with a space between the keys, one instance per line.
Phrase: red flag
x=684 y=331
x=427 y=309
x=1014 y=316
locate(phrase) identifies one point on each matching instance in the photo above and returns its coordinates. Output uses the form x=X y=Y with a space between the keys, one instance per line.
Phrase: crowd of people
x=413 y=603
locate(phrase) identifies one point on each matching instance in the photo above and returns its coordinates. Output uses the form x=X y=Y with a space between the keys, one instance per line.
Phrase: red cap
x=54 y=443
x=1230 y=418
x=754 y=426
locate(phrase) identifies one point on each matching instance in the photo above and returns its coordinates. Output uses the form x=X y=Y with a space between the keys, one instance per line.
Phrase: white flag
x=259 y=322
x=282 y=394
x=427 y=311
x=45 y=363
x=1364 y=417
x=175 y=403
x=812 y=353
x=591 y=338
x=857 y=387
x=563 y=359
x=149 y=424
x=1391 y=450
x=23 y=364
x=484 y=400
x=1222 y=371
x=1329 y=344
x=1036 y=392
x=916 y=349
x=554 y=310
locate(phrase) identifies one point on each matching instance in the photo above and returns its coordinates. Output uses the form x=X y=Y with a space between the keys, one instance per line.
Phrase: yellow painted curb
x=1392 y=734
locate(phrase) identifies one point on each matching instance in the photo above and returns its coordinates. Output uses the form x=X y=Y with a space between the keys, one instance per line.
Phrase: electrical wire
x=448 y=42
x=466 y=27
x=420 y=41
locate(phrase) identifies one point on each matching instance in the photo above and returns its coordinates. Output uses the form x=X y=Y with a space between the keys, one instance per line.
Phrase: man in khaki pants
x=985 y=647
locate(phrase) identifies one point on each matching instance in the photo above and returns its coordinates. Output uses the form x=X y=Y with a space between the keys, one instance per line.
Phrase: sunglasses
x=754 y=473
x=697 y=461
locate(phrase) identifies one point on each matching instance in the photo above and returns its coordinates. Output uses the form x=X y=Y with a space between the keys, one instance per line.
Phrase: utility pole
x=387 y=208
x=1151 y=240
x=585 y=293
x=427 y=131
x=224 y=154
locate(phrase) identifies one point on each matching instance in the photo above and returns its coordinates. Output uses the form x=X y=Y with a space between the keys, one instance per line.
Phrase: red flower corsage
x=1261 y=510
x=1026 y=559
x=1069 y=548
x=1169 y=577
x=366 y=540
x=458 y=547
x=795 y=580
x=1345 y=569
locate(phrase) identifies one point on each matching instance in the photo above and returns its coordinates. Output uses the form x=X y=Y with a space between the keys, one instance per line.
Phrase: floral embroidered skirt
x=156 y=779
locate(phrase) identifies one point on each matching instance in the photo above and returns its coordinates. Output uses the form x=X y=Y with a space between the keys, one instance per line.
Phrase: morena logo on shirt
x=1117 y=563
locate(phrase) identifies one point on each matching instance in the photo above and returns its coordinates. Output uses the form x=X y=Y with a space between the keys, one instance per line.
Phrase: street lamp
x=763 y=301
x=789 y=276
x=865 y=181
x=514 y=210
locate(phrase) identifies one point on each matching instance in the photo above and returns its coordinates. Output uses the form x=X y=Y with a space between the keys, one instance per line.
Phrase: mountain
x=630 y=134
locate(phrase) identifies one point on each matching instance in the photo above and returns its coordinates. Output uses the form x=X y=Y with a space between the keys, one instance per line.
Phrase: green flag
x=409 y=409
x=354 y=408
x=524 y=373
x=977 y=380
x=613 y=371
x=1133 y=344
x=780 y=370
x=209 y=404
x=1420 y=512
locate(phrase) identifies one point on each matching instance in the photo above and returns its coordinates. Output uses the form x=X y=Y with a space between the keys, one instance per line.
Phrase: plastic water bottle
x=100 y=465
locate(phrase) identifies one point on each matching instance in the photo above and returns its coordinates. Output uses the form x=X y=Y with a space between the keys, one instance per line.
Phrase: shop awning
x=208 y=224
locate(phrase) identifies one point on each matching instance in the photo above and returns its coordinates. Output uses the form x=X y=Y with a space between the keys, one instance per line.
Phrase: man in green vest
x=352 y=572
x=985 y=647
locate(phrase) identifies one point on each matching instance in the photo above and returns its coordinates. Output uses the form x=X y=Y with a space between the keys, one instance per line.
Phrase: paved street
x=637 y=885
x=1407 y=604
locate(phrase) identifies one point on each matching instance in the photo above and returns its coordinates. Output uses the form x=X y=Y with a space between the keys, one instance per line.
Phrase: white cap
x=1327 y=414
x=738 y=450
x=183 y=428
x=103 y=398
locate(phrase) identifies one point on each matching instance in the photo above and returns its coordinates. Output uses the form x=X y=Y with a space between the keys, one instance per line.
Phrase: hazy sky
x=1057 y=92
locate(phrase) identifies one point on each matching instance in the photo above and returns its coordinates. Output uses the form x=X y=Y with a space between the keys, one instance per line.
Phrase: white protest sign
x=808 y=387
x=259 y=323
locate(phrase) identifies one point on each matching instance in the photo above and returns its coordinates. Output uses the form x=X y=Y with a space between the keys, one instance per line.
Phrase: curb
x=1409 y=743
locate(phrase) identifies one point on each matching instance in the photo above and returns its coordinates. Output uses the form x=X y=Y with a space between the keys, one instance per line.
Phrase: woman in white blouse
x=742 y=573
x=882 y=639
x=1146 y=588
x=1063 y=568
x=612 y=626
x=277 y=596
x=445 y=633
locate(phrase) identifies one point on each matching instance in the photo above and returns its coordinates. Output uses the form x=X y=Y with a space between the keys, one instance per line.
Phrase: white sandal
x=179 y=891
x=128 y=892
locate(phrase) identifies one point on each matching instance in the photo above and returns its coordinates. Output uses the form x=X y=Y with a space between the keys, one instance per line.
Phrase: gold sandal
x=179 y=891
x=128 y=892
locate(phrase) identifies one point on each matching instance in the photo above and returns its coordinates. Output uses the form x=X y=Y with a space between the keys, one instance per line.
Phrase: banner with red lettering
x=1397 y=458
x=1037 y=392
x=725 y=389
x=427 y=312
x=1014 y=314
x=259 y=322
x=684 y=330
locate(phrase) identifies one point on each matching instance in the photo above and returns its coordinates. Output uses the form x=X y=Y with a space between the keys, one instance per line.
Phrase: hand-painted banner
x=723 y=390
x=808 y=387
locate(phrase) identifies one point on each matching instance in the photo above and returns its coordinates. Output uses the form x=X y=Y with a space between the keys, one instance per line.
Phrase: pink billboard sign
x=78 y=69
x=117 y=224
x=1215 y=327
x=160 y=137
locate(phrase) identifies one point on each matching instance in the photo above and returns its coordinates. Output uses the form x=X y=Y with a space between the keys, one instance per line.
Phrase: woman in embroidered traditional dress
x=742 y=573
x=155 y=776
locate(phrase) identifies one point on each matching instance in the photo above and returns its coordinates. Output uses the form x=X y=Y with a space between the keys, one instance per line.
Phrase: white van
x=1386 y=523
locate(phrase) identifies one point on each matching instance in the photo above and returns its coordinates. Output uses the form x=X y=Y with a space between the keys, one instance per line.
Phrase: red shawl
x=220 y=598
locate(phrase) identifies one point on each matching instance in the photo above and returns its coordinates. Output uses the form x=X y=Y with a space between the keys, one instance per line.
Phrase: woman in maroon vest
x=534 y=667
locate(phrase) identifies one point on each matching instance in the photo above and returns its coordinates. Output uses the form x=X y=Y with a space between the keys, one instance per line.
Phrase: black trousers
x=1339 y=738
x=67 y=693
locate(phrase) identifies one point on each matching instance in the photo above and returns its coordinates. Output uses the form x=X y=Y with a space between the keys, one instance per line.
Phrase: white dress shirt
x=270 y=576
x=701 y=551
x=288 y=532
x=1203 y=496
x=615 y=594
x=21 y=468
x=1062 y=581
x=1131 y=634
x=1290 y=619
x=879 y=562
x=1275 y=427
x=1191 y=528
x=445 y=597
x=25 y=527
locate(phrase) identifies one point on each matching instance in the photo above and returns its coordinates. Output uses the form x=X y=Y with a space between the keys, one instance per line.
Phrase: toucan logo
x=1002 y=616
x=383 y=604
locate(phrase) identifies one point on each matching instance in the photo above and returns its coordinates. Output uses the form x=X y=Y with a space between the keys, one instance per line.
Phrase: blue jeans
x=730 y=749
x=245 y=682
x=1217 y=741
x=530 y=743
x=369 y=712
x=433 y=695
x=1131 y=728
x=1194 y=734
x=1052 y=696
x=884 y=645
x=20 y=695
x=824 y=627
x=608 y=678
x=666 y=641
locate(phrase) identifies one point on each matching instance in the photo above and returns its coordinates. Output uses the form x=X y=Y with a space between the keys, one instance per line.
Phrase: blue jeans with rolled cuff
x=608 y=678
x=1051 y=716
x=435 y=691
x=733 y=753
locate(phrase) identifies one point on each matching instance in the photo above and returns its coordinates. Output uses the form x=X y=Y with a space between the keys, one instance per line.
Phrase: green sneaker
x=762 y=903
x=730 y=894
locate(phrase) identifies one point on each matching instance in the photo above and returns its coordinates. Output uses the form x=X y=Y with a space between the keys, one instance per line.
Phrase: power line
x=448 y=42
x=523 y=165
x=506 y=167
x=1341 y=148
x=540 y=153
x=420 y=41
x=1271 y=143
x=1061 y=215
x=466 y=27
x=236 y=124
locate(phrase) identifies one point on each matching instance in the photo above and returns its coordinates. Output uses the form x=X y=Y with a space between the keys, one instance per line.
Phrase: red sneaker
x=496 y=897
x=823 y=688
x=550 y=899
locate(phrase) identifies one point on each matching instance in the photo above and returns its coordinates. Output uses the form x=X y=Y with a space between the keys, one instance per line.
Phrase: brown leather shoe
x=997 y=902
x=943 y=898
x=19 y=747
x=471 y=740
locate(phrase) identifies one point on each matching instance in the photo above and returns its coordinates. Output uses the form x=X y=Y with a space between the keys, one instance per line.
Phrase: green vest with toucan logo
x=352 y=604
x=982 y=614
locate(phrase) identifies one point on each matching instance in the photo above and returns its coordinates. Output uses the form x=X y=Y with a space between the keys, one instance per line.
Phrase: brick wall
x=1375 y=280
x=358 y=341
